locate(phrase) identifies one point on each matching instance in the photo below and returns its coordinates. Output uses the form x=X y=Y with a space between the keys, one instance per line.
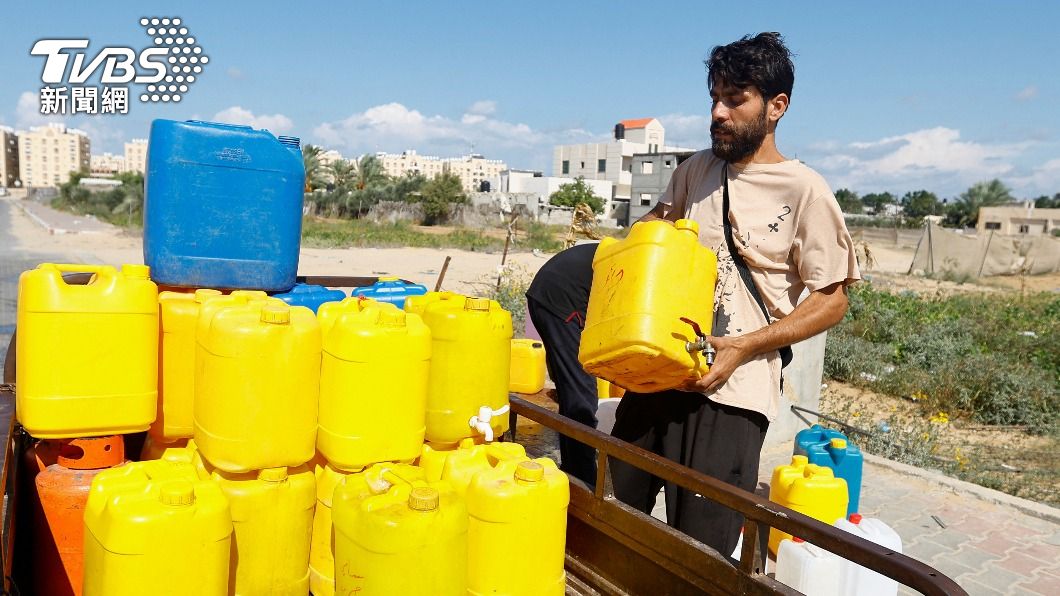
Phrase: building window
x=647 y=167
x=1025 y=229
x=566 y=166
x=601 y=165
x=645 y=199
x=582 y=166
x=993 y=225
x=669 y=163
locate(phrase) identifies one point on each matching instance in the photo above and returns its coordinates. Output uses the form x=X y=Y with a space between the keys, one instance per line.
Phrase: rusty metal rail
x=597 y=505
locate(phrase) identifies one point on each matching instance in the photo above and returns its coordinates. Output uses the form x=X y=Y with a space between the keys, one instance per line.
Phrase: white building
x=107 y=164
x=48 y=154
x=522 y=181
x=1017 y=220
x=472 y=169
x=136 y=156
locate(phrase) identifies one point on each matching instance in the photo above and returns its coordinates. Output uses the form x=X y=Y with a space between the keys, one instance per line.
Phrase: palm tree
x=315 y=176
x=368 y=172
x=965 y=210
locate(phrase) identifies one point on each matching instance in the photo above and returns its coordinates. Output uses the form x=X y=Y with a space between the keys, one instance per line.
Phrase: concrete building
x=9 y=176
x=651 y=175
x=136 y=156
x=472 y=169
x=613 y=160
x=1018 y=220
x=326 y=158
x=106 y=165
x=48 y=154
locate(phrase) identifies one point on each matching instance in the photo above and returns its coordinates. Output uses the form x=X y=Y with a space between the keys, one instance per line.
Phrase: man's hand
x=730 y=354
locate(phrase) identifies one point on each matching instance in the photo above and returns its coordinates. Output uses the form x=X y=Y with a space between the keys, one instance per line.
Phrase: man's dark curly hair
x=762 y=61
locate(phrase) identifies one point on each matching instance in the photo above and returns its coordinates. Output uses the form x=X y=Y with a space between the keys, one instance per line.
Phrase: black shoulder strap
x=741 y=265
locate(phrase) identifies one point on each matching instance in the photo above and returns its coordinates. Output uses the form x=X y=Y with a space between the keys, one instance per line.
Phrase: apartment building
x=651 y=175
x=48 y=154
x=107 y=164
x=136 y=156
x=8 y=158
x=473 y=169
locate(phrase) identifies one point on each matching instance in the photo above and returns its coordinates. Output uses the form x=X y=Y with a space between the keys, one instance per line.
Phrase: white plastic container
x=809 y=569
x=857 y=579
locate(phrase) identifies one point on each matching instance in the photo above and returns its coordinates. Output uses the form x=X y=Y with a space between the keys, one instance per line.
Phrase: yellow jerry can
x=412 y=539
x=643 y=286
x=257 y=377
x=87 y=354
x=153 y=449
x=179 y=313
x=433 y=456
x=467 y=394
x=528 y=499
x=272 y=513
x=463 y=464
x=607 y=390
x=418 y=304
x=528 y=366
x=809 y=489
x=355 y=487
x=155 y=528
x=373 y=383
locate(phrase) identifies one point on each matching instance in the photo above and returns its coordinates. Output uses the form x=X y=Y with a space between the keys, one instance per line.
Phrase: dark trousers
x=575 y=388
x=720 y=441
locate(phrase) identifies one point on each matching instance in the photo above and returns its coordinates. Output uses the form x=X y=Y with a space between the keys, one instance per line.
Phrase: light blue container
x=831 y=449
x=390 y=289
x=222 y=206
x=310 y=296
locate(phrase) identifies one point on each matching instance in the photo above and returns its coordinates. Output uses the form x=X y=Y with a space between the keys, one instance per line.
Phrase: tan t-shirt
x=788 y=227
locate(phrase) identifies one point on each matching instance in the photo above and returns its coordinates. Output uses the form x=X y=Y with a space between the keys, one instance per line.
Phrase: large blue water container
x=815 y=435
x=310 y=296
x=390 y=289
x=222 y=206
x=846 y=462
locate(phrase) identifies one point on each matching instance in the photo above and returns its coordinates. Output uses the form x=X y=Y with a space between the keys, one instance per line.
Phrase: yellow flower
x=918 y=395
x=856 y=414
x=940 y=418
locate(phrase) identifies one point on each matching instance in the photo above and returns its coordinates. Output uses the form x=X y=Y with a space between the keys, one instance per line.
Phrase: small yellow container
x=418 y=304
x=809 y=489
x=375 y=480
x=373 y=383
x=256 y=385
x=87 y=354
x=519 y=498
x=179 y=312
x=642 y=286
x=528 y=366
x=410 y=540
x=272 y=512
x=154 y=527
x=470 y=365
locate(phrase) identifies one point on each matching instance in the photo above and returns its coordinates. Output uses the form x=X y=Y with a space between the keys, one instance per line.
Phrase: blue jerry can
x=390 y=289
x=815 y=435
x=222 y=206
x=310 y=296
x=845 y=460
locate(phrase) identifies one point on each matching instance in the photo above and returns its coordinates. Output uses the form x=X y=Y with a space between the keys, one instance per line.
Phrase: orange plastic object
x=58 y=503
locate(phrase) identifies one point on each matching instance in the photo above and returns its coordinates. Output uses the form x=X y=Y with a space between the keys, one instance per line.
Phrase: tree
x=569 y=195
x=965 y=210
x=920 y=203
x=406 y=188
x=1044 y=202
x=849 y=201
x=439 y=195
x=315 y=174
x=368 y=172
x=877 y=202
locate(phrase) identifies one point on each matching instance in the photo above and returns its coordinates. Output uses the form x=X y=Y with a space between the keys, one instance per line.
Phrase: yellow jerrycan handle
x=98 y=271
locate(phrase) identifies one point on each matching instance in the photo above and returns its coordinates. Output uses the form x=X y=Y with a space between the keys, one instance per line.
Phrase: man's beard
x=743 y=140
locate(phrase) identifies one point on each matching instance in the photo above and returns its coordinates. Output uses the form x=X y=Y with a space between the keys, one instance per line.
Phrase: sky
x=889 y=96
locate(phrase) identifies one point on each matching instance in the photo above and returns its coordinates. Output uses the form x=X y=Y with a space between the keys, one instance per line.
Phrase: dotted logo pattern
x=186 y=59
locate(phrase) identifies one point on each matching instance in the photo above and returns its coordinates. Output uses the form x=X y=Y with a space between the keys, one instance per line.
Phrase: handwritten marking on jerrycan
x=643 y=286
x=87 y=354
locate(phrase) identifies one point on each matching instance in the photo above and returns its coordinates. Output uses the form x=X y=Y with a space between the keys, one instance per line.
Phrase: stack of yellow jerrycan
x=155 y=527
x=373 y=383
x=257 y=375
x=411 y=539
x=374 y=480
x=809 y=489
x=467 y=395
x=518 y=498
x=87 y=354
x=643 y=286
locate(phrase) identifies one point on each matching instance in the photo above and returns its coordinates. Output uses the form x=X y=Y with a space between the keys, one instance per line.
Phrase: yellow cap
x=389 y=278
x=687 y=224
x=838 y=443
x=423 y=498
x=177 y=493
x=481 y=304
x=799 y=460
x=273 y=475
x=205 y=294
x=529 y=471
x=276 y=314
x=391 y=318
x=136 y=271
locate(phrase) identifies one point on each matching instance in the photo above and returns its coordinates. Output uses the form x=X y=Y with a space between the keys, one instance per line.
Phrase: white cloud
x=684 y=130
x=1043 y=179
x=276 y=123
x=1028 y=93
x=27 y=113
x=934 y=158
x=393 y=127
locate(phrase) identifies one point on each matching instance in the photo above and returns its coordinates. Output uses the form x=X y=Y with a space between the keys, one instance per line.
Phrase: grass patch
x=357 y=233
